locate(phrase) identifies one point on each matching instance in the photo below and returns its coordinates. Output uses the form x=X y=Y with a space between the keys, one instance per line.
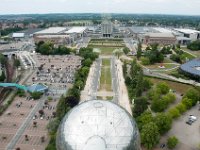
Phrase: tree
x=163 y=122
x=140 y=105
x=126 y=50
x=17 y=63
x=187 y=102
x=150 y=135
x=145 y=61
x=169 y=98
x=172 y=142
x=41 y=112
x=87 y=62
x=164 y=88
x=71 y=101
x=181 y=108
x=53 y=125
x=125 y=68
x=159 y=105
x=84 y=71
x=3 y=76
x=139 y=86
x=144 y=118
x=174 y=113
x=2 y=59
x=147 y=84
x=79 y=84
x=139 y=50
x=154 y=94
x=192 y=94
x=36 y=95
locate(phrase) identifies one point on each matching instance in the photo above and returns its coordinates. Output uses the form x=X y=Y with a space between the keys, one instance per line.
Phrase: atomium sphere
x=98 y=125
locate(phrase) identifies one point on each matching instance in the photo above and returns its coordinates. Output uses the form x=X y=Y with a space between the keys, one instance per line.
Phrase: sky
x=181 y=7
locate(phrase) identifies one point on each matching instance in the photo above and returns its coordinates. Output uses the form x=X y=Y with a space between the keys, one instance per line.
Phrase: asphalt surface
x=23 y=127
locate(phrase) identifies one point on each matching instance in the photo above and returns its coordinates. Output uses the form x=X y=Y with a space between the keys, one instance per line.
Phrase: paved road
x=168 y=77
x=24 y=125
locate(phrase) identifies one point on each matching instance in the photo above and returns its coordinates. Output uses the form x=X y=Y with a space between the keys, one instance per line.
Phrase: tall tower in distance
x=106 y=26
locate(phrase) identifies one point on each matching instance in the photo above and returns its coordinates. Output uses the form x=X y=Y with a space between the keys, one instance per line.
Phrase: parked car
x=192 y=118
x=189 y=122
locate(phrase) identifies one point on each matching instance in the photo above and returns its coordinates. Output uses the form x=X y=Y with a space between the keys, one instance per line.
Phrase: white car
x=193 y=118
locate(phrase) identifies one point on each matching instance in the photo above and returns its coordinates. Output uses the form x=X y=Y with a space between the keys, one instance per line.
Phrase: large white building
x=193 y=35
x=98 y=125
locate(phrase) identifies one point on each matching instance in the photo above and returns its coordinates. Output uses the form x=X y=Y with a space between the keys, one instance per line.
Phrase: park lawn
x=189 y=56
x=178 y=87
x=106 y=62
x=167 y=60
x=105 y=79
x=197 y=53
x=109 y=97
x=156 y=66
x=105 y=50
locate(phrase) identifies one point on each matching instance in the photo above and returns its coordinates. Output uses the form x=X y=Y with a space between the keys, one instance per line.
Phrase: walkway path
x=92 y=83
x=123 y=98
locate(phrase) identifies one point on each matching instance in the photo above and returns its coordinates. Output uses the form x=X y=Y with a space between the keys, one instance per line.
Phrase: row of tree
x=66 y=103
x=194 y=46
x=134 y=80
x=48 y=48
x=161 y=97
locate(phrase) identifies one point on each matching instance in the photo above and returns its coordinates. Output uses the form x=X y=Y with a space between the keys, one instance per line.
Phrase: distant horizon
x=168 y=7
x=57 y=13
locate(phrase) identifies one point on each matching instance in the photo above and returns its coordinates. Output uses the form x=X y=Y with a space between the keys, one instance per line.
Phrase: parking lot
x=57 y=72
x=188 y=135
x=35 y=134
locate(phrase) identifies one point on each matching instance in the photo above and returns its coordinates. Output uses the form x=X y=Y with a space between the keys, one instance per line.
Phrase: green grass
x=105 y=79
x=105 y=50
x=189 y=56
x=106 y=62
x=178 y=87
x=109 y=97
x=156 y=66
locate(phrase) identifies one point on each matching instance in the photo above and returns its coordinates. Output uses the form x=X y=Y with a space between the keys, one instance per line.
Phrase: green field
x=178 y=87
x=187 y=55
x=106 y=46
x=105 y=79
x=105 y=50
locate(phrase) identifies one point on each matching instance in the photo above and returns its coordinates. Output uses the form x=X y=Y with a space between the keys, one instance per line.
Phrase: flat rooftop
x=160 y=35
x=187 y=31
x=52 y=30
x=53 y=36
x=76 y=30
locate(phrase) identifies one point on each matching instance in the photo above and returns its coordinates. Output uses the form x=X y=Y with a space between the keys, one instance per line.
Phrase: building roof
x=18 y=35
x=187 y=31
x=53 y=36
x=98 y=125
x=183 y=38
x=160 y=35
x=143 y=30
x=192 y=67
x=162 y=30
x=76 y=30
x=52 y=30
x=37 y=88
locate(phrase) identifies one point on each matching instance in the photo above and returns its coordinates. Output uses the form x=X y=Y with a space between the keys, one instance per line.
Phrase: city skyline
x=171 y=7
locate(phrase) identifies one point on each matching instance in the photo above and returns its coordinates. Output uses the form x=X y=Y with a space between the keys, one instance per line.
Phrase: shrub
x=174 y=113
x=172 y=142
